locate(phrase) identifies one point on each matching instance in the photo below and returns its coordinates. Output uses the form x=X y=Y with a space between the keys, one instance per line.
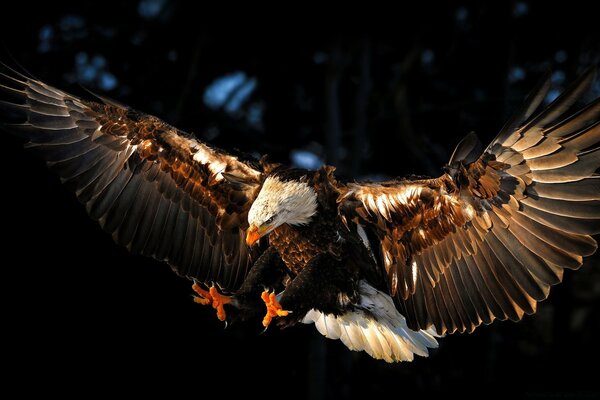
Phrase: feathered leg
x=325 y=284
x=267 y=274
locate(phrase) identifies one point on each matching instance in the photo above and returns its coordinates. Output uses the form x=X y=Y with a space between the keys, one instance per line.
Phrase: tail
x=374 y=326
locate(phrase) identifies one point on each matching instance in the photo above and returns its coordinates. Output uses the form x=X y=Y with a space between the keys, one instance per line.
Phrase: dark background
x=82 y=317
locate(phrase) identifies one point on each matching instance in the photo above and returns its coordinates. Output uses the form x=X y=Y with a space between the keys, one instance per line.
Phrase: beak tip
x=252 y=236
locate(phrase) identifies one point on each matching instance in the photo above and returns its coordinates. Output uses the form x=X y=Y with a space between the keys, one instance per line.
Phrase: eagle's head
x=279 y=202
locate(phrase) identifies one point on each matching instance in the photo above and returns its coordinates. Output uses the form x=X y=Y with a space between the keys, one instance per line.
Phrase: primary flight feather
x=385 y=267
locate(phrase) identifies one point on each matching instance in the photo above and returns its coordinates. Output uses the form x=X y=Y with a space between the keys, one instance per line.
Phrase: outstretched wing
x=155 y=189
x=487 y=239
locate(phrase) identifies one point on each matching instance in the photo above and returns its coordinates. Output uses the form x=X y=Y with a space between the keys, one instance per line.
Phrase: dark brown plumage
x=484 y=241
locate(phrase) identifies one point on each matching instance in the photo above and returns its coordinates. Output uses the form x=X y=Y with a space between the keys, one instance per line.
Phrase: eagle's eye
x=270 y=220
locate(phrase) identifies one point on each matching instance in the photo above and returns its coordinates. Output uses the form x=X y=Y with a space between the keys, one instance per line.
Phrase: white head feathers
x=283 y=202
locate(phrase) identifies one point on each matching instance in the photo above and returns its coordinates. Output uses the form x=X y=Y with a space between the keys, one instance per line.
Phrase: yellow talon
x=274 y=309
x=212 y=297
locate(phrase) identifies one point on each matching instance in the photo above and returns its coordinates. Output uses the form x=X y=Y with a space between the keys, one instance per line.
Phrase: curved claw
x=274 y=309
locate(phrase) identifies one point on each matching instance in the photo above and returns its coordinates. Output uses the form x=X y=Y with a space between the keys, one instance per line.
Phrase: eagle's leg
x=274 y=309
x=212 y=297
x=267 y=273
x=327 y=284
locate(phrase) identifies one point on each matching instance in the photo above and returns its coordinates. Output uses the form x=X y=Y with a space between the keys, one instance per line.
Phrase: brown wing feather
x=488 y=239
x=155 y=189
x=413 y=218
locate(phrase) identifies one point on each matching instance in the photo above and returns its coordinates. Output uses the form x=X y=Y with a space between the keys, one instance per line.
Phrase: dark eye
x=270 y=220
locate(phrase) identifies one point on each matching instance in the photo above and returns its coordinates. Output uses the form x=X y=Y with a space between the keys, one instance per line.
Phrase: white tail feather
x=375 y=326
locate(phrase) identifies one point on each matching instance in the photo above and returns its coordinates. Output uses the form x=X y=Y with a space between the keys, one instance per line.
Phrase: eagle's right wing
x=155 y=189
x=487 y=239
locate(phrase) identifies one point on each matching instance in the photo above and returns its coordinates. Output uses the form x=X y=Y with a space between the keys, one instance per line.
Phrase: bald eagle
x=386 y=267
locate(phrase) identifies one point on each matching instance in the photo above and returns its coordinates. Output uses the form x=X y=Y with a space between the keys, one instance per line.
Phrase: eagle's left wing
x=487 y=239
x=157 y=190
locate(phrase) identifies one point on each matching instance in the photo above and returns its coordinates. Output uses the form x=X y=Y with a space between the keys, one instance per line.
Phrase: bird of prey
x=386 y=267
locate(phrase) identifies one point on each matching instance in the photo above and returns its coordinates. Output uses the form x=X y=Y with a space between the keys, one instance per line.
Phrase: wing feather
x=493 y=234
x=475 y=296
x=157 y=190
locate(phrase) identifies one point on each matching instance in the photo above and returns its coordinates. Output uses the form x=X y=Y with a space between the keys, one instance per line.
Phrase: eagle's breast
x=298 y=245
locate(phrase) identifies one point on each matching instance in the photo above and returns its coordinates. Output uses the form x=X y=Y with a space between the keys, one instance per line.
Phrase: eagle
x=386 y=267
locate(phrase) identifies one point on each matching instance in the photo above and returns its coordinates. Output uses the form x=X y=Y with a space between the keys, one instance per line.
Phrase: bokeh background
x=382 y=95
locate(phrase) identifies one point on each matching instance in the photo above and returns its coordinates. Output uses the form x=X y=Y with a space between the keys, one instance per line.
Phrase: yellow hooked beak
x=254 y=233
